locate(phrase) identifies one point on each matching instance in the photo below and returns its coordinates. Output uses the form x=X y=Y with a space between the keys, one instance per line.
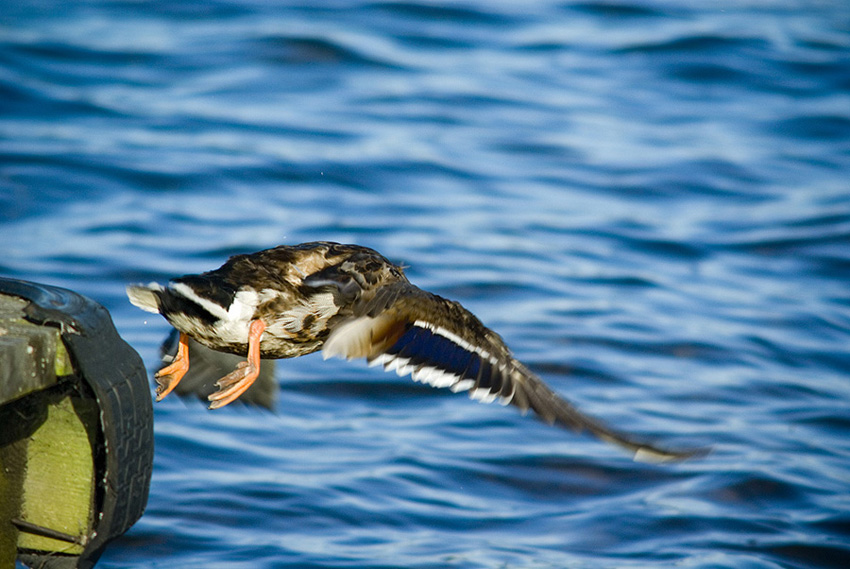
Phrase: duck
x=351 y=302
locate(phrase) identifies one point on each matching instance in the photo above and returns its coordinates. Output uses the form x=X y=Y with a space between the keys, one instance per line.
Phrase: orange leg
x=239 y=380
x=168 y=377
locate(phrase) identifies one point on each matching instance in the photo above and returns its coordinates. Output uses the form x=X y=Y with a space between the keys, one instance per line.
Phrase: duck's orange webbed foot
x=168 y=377
x=239 y=380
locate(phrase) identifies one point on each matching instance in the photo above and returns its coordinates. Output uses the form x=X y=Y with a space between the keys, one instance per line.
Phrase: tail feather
x=147 y=297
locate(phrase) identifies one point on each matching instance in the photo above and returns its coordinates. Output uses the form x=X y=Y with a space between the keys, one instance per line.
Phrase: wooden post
x=76 y=443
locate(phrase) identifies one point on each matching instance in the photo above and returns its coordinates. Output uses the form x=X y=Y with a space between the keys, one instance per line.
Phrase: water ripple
x=648 y=201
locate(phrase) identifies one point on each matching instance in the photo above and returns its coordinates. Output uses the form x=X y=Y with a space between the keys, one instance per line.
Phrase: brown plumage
x=351 y=302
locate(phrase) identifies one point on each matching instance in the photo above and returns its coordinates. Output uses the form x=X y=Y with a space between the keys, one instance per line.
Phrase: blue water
x=649 y=200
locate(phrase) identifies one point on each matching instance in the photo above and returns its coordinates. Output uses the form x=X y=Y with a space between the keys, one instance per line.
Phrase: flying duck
x=351 y=302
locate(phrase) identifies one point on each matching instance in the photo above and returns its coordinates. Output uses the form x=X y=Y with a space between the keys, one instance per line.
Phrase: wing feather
x=439 y=343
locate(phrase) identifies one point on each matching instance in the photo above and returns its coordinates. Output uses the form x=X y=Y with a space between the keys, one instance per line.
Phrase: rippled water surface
x=649 y=200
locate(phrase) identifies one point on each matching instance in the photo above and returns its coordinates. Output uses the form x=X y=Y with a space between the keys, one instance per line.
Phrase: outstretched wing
x=438 y=342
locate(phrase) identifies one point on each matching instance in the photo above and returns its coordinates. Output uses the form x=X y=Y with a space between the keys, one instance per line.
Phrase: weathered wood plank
x=60 y=465
x=33 y=356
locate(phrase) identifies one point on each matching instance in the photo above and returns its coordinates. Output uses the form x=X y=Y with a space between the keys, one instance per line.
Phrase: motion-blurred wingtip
x=655 y=456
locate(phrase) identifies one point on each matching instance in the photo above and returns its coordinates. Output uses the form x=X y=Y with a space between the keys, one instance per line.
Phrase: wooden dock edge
x=76 y=428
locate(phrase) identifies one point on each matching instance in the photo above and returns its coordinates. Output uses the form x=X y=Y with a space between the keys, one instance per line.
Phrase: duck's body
x=350 y=302
x=301 y=292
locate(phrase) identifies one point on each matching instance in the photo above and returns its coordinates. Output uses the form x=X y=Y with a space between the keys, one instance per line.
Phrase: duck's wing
x=438 y=342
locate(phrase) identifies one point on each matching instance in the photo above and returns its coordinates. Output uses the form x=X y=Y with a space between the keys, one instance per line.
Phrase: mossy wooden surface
x=32 y=356
x=47 y=470
x=12 y=460
x=58 y=489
